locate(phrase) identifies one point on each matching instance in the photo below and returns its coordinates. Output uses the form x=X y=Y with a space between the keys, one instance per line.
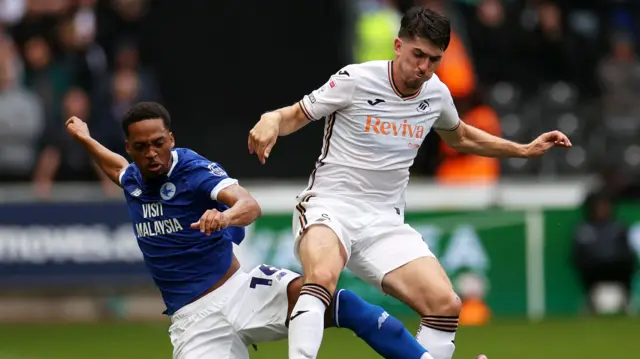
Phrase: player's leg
x=320 y=248
x=201 y=329
x=382 y=332
x=322 y=258
x=395 y=259
x=424 y=286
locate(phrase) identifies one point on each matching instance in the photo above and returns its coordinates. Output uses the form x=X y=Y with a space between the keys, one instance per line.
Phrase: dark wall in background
x=223 y=63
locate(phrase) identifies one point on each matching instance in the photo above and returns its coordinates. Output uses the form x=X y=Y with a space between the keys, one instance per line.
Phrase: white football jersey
x=373 y=133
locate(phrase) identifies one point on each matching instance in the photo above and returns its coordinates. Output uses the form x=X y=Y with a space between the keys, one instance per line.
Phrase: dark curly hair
x=427 y=24
x=145 y=111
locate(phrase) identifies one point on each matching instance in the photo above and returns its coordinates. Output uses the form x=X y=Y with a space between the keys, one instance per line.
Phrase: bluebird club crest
x=167 y=191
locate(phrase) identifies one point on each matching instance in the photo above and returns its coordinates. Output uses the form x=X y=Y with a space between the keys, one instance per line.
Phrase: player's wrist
x=525 y=150
x=226 y=220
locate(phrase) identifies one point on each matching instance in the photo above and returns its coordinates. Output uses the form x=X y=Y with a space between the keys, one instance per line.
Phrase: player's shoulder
x=435 y=86
x=190 y=161
x=131 y=172
x=363 y=70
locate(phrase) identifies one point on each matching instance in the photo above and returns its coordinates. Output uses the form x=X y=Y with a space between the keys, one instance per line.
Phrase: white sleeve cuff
x=222 y=185
x=122 y=175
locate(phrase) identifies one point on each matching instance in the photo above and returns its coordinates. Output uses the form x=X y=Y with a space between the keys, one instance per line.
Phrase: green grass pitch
x=506 y=339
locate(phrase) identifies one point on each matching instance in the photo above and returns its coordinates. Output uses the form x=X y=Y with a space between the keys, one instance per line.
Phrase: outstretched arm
x=468 y=139
x=111 y=163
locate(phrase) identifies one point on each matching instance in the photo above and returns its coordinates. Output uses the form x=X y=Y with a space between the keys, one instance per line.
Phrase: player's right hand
x=211 y=221
x=263 y=136
x=77 y=128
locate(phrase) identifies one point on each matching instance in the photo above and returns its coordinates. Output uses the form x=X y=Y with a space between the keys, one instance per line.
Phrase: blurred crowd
x=62 y=58
x=516 y=68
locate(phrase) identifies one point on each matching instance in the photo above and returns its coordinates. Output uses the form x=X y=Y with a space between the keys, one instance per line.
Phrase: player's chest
x=168 y=200
x=391 y=122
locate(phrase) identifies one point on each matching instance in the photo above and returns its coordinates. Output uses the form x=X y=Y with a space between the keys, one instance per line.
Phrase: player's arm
x=111 y=163
x=211 y=180
x=468 y=139
x=331 y=97
x=243 y=208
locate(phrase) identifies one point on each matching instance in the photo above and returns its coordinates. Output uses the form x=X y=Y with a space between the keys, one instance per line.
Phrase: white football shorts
x=376 y=239
x=249 y=308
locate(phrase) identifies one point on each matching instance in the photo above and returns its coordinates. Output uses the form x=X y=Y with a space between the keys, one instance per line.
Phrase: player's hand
x=77 y=128
x=211 y=221
x=263 y=136
x=546 y=141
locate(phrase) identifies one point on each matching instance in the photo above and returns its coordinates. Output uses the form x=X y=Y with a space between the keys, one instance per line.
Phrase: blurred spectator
x=79 y=52
x=47 y=77
x=619 y=185
x=127 y=58
x=62 y=157
x=619 y=74
x=21 y=120
x=601 y=250
x=120 y=19
x=552 y=53
x=496 y=42
x=126 y=92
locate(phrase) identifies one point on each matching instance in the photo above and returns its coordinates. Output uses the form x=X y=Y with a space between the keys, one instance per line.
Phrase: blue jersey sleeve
x=210 y=178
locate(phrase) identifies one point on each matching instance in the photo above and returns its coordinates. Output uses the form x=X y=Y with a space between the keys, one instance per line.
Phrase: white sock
x=439 y=343
x=306 y=324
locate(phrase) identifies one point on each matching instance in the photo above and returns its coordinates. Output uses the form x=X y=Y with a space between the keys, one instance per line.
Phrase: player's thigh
x=260 y=310
x=322 y=239
x=424 y=286
x=397 y=261
x=206 y=334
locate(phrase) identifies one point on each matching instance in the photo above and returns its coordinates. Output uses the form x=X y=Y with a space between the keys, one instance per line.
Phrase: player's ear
x=397 y=45
x=172 y=140
x=127 y=147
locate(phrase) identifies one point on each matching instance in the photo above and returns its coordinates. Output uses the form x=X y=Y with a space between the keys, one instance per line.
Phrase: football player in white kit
x=376 y=116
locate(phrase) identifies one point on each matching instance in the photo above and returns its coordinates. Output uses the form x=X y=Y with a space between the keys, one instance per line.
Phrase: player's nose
x=424 y=66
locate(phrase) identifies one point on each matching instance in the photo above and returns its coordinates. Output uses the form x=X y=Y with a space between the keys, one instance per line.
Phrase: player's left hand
x=211 y=221
x=546 y=141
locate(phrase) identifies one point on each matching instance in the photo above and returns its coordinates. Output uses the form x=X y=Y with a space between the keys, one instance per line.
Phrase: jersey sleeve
x=123 y=173
x=334 y=95
x=209 y=178
x=449 y=119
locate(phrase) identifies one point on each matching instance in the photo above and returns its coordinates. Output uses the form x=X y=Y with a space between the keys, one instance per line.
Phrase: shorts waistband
x=217 y=298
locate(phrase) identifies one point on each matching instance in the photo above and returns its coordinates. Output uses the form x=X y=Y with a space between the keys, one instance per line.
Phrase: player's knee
x=445 y=303
x=324 y=277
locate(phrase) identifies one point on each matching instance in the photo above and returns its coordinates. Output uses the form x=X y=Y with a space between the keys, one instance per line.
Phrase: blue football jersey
x=183 y=262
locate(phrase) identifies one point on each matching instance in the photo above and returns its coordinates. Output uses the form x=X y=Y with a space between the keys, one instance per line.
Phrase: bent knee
x=446 y=303
x=325 y=277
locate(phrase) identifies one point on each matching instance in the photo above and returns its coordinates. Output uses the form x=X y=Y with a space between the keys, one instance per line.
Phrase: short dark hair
x=145 y=111
x=425 y=23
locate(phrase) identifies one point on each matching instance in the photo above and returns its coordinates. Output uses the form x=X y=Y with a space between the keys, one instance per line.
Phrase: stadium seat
x=624 y=151
x=515 y=127
x=505 y=97
x=571 y=161
x=519 y=167
x=558 y=96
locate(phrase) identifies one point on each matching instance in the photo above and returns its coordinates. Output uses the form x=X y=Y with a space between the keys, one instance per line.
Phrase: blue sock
x=382 y=332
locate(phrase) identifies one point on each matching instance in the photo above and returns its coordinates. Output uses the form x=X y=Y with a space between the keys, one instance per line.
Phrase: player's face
x=418 y=59
x=149 y=144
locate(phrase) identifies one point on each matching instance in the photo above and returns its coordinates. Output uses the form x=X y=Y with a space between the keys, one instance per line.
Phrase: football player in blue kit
x=187 y=213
